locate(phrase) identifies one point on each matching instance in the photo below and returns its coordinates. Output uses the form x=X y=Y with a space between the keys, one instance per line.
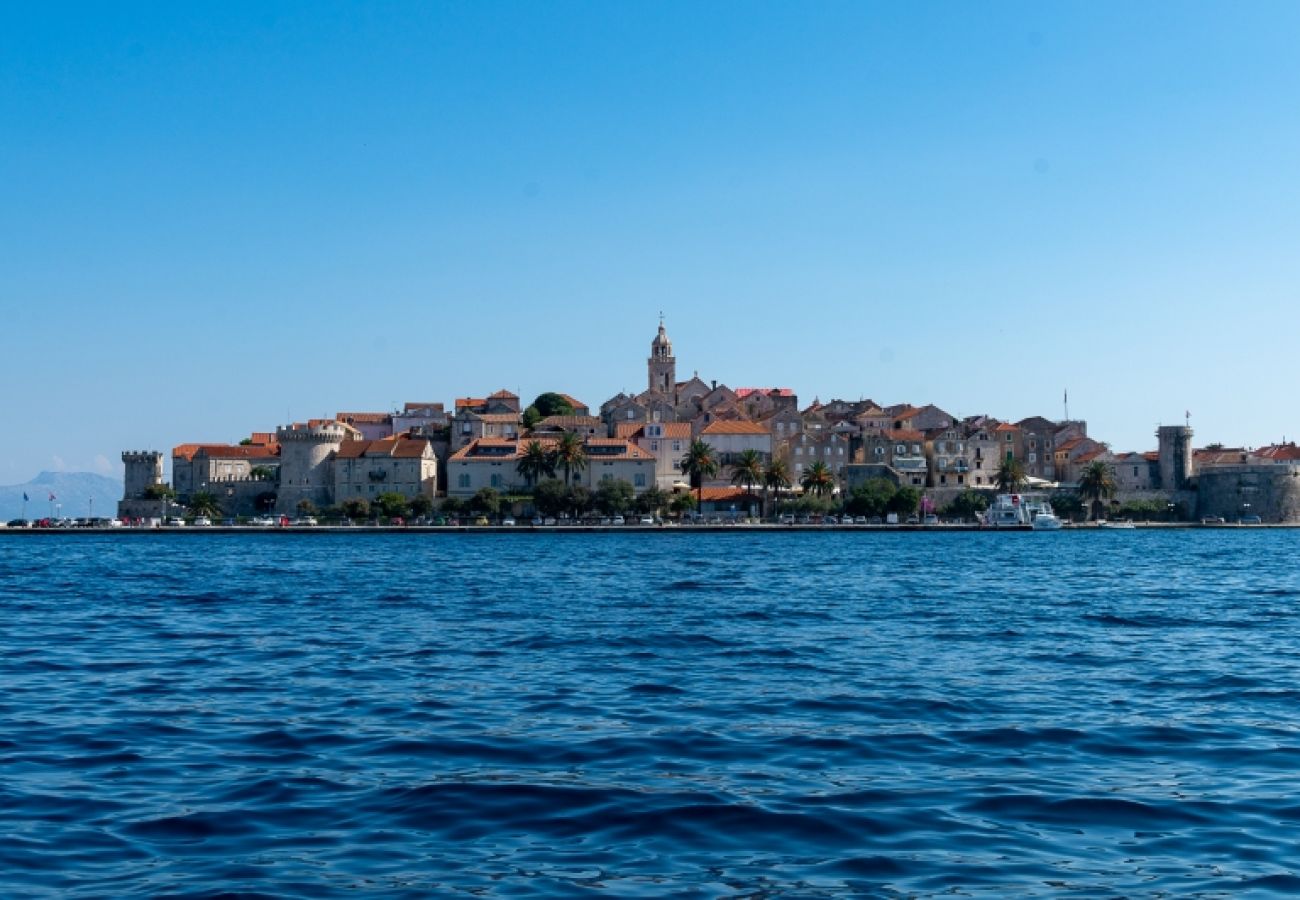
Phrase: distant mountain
x=73 y=492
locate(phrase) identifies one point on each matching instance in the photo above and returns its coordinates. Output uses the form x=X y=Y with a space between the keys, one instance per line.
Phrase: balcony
x=910 y=463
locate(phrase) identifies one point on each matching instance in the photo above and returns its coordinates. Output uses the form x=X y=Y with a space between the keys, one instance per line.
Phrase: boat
x=1044 y=519
x=1125 y=524
x=1007 y=511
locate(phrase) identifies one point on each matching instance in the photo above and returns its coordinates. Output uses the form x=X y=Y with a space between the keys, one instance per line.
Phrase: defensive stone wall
x=1270 y=491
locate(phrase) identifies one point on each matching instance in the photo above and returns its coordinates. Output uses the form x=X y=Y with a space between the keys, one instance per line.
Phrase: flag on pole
x=25 y=497
x=52 y=497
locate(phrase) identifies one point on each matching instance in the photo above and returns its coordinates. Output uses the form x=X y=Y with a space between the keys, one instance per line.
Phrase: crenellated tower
x=307 y=464
x=144 y=469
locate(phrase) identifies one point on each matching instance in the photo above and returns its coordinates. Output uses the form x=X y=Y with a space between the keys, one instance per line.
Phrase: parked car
x=174 y=522
x=785 y=519
x=646 y=520
x=508 y=521
x=1212 y=520
x=19 y=523
x=1251 y=520
x=549 y=520
x=306 y=521
x=481 y=520
x=115 y=522
x=913 y=520
x=202 y=522
x=618 y=520
x=262 y=521
x=861 y=520
x=930 y=519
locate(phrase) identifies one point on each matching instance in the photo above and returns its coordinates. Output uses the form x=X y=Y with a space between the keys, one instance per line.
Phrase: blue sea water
x=687 y=715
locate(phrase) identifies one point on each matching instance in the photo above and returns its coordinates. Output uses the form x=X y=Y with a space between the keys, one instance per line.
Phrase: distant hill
x=73 y=490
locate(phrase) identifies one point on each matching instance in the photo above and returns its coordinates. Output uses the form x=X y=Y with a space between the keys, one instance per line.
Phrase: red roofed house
x=395 y=465
x=493 y=463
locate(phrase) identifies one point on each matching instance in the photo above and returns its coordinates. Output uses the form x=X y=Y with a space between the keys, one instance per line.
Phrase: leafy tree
x=967 y=505
x=652 y=500
x=1096 y=483
x=486 y=501
x=748 y=469
x=614 y=496
x=681 y=504
x=204 y=503
x=1010 y=476
x=550 y=497
x=421 y=505
x=552 y=404
x=391 y=505
x=246 y=442
x=452 y=506
x=265 y=501
x=871 y=498
x=261 y=473
x=579 y=499
x=570 y=455
x=905 y=501
x=536 y=461
x=700 y=462
x=818 y=480
x=306 y=507
x=776 y=478
x=159 y=492
x=1067 y=505
x=531 y=417
x=356 y=508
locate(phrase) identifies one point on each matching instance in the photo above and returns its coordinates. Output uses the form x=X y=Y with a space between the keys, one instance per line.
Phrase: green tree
x=531 y=417
x=204 y=503
x=776 y=478
x=1010 y=476
x=550 y=497
x=871 y=498
x=421 y=505
x=818 y=479
x=452 y=506
x=486 y=501
x=1096 y=483
x=261 y=473
x=356 y=508
x=680 y=504
x=578 y=500
x=614 y=496
x=552 y=404
x=905 y=501
x=306 y=507
x=652 y=500
x=748 y=470
x=1067 y=505
x=159 y=492
x=699 y=463
x=391 y=505
x=570 y=455
x=967 y=505
x=536 y=461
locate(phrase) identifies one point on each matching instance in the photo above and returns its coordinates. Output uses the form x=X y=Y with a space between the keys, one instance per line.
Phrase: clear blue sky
x=211 y=219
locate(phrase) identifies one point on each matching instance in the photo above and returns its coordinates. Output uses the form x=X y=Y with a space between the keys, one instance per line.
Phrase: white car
x=202 y=522
x=174 y=522
x=646 y=520
x=115 y=523
x=931 y=519
x=508 y=520
x=307 y=521
x=262 y=521
x=618 y=520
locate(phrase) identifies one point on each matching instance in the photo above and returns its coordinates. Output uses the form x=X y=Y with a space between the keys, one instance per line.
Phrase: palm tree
x=700 y=462
x=535 y=462
x=747 y=469
x=1096 y=483
x=776 y=477
x=1010 y=476
x=570 y=455
x=817 y=479
x=204 y=503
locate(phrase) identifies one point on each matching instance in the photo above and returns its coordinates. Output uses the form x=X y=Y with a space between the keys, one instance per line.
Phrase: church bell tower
x=662 y=365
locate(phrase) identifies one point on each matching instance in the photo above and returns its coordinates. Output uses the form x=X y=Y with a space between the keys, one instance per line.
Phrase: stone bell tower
x=662 y=365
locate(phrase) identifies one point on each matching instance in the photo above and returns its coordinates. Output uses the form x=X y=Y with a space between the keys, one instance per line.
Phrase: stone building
x=306 y=462
x=404 y=465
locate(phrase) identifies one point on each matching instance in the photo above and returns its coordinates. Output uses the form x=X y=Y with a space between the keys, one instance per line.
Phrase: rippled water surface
x=682 y=714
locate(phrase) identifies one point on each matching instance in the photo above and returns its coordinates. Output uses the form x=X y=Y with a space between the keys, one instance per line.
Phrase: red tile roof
x=738 y=426
x=905 y=434
x=187 y=452
x=722 y=494
x=1007 y=426
x=778 y=392
x=503 y=394
x=396 y=447
x=367 y=418
x=470 y=402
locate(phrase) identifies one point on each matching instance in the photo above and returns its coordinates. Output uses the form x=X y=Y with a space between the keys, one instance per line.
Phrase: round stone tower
x=662 y=364
x=144 y=469
x=1177 y=463
x=307 y=464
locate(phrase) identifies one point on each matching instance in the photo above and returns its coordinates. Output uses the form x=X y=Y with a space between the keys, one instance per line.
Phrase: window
x=900 y=449
x=630 y=414
x=496 y=480
x=677 y=446
x=462 y=480
x=880 y=451
x=654 y=446
x=1008 y=438
x=639 y=480
x=841 y=451
x=1135 y=470
x=1033 y=457
x=798 y=451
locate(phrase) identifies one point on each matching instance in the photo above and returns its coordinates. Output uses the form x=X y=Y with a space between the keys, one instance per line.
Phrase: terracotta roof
x=735 y=427
x=1070 y=444
x=371 y=418
x=499 y=417
x=503 y=394
x=187 y=452
x=1090 y=455
x=904 y=412
x=636 y=430
x=906 y=434
x=571 y=422
x=720 y=494
x=396 y=447
x=1007 y=426
x=1151 y=456
x=408 y=407
x=467 y=402
x=1283 y=452
x=627 y=450
x=778 y=392
x=573 y=401
x=262 y=438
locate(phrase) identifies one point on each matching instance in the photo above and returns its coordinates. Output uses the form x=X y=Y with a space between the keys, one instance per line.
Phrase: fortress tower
x=307 y=464
x=662 y=365
x=1177 y=464
x=144 y=469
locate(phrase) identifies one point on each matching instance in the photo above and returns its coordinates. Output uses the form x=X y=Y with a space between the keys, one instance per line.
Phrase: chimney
x=715 y=384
